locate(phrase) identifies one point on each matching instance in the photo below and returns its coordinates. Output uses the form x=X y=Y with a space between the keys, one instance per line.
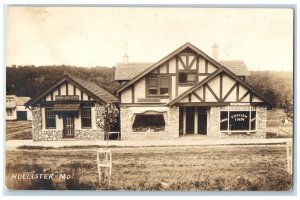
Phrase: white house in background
x=15 y=108
x=188 y=92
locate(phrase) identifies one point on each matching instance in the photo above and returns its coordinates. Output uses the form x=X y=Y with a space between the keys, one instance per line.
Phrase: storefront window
x=238 y=120
x=153 y=122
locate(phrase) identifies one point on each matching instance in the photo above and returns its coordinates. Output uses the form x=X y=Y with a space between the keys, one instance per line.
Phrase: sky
x=98 y=36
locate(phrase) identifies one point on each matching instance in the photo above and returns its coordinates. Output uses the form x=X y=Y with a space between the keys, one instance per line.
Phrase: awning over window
x=66 y=107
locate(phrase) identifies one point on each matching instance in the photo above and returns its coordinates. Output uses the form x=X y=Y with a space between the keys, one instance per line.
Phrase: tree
x=108 y=117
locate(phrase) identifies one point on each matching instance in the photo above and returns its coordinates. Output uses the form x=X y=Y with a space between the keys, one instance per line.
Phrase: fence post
x=289 y=156
x=104 y=165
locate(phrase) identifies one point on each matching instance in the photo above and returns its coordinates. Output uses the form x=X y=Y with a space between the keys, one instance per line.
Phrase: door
x=21 y=115
x=190 y=117
x=202 y=121
x=68 y=127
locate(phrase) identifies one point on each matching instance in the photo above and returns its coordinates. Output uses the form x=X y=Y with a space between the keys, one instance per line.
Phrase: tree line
x=29 y=80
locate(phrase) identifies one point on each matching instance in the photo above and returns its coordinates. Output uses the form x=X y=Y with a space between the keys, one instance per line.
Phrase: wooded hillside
x=29 y=80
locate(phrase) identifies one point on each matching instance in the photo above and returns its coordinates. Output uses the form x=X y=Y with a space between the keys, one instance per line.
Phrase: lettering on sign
x=239 y=117
x=67 y=97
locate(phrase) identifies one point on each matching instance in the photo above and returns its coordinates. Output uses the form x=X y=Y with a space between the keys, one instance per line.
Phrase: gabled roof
x=126 y=71
x=95 y=91
x=155 y=65
x=236 y=66
x=215 y=73
x=20 y=101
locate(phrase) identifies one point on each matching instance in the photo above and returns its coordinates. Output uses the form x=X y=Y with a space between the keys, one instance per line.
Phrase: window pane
x=152 y=81
x=164 y=91
x=164 y=82
x=86 y=120
x=239 y=120
x=182 y=77
x=152 y=91
x=224 y=121
x=253 y=120
x=50 y=118
x=191 y=78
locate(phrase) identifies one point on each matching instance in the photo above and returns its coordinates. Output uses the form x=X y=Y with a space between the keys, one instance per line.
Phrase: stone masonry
x=171 y=129
x=39 y=134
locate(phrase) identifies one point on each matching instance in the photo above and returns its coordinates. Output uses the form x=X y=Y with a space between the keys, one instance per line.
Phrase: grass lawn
x=18 y=130
x=230 y=167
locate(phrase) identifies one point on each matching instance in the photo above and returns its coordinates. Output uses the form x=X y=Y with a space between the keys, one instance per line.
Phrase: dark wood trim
x=190 y=98
x=158 y=69
x=251 y=96
x=74 y=90
x=167 y=67
x=177 y=77
x=221 y=86
x=89 y=98
x=237 y=91
x=206 y=67
x=51 y=103
x=181 y=61
x=132 y=94
x=203 y=104
x=197 y=64
x=203 y=74
x=67 y=88
x=81 y=95
x=58 y=90
x=192 y=63
x=52 y=95
x=213 y=93
x=186 y=54
x=142 y=104
x=187 y=61
x=204 y=92
x=244 y=96
x=197 y=96
x=229 y=92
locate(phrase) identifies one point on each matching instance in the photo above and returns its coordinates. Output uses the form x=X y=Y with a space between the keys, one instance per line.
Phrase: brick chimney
x=215 y=52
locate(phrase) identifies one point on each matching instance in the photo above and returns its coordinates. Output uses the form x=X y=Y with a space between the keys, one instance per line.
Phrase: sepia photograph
x=125 y=98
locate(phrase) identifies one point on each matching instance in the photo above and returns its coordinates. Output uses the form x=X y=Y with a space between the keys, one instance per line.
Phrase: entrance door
x=202 y=121
x=190 y=117
x=68 y=127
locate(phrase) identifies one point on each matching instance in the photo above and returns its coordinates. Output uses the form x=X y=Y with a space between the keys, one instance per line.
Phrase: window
x=9 y=111
x=86 y=118
x=187 y=77
x=154 y=122
x=50 y=118
x=238 y=120
x=158 y=85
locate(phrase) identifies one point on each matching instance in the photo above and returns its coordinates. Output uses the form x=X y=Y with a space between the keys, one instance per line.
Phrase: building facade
x=16 y=109
x=69 y=110
x=188 y=92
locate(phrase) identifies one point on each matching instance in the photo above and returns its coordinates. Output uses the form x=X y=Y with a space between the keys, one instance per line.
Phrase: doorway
x=202 y=120
x=68 y=130
x=190 y=118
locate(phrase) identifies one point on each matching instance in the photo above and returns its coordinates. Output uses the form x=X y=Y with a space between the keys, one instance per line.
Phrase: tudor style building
x=188 y=92
x=69 y=109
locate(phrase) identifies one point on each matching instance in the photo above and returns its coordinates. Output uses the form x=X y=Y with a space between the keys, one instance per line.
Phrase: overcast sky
x=97 y=36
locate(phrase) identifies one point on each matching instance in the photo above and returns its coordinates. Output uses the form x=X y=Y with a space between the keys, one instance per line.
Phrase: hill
x=29 y=80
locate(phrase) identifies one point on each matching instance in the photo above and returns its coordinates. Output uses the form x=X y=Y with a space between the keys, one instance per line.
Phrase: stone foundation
x=171 y=129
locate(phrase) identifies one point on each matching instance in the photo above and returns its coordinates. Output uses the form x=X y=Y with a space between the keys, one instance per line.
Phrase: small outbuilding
x=15 y=108
x=69 y=109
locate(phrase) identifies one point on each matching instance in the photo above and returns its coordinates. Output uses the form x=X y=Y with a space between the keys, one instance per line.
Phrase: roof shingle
x=236 y=66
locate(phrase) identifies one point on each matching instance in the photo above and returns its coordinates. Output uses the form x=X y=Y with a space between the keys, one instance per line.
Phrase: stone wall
x=36 y=123
x=214 y=125
x=39 y=134
x=171 y=129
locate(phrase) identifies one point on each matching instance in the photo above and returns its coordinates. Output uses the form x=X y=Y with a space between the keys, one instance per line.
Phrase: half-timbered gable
x=188 y=92
x=69 y=109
